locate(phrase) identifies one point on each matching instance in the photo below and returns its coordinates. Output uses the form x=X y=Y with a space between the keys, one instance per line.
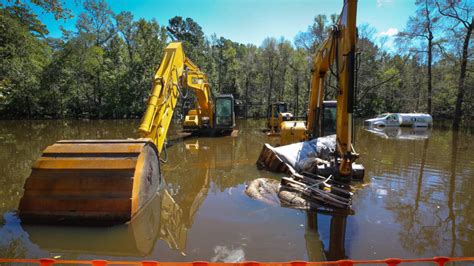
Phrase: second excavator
x=110 y=181
x=337 y=51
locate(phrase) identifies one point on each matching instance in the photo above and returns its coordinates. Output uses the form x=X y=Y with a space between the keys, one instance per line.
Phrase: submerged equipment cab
x=328 y=126
x=224 y=113
x=276 y=114
x=325 y=124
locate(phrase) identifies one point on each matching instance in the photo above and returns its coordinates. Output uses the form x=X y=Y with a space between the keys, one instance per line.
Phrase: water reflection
x=161 y=219
x=335 y=247
x=407 y=133
x=418 y=201
x=424 y=188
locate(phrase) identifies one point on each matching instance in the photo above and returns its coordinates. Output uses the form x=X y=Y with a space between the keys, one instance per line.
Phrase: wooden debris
x=290 y=199
x=268 y=160
x=318 y=190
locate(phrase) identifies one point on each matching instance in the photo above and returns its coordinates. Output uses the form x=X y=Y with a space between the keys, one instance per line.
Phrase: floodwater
x=417 y=201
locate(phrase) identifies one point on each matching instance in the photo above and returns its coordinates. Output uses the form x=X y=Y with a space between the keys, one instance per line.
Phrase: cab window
x=329 y=120
x=224 y=111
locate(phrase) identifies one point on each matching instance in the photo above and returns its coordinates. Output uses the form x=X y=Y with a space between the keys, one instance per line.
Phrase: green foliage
x=54 y=7
x=104 y=68
x=23 y=57
x=192 y=36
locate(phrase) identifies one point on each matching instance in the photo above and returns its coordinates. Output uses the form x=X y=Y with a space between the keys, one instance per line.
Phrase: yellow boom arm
x=176 y=72
x=339 y=48
x=109 y=181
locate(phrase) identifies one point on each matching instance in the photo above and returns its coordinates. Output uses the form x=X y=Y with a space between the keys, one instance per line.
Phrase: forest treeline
x=104 y=67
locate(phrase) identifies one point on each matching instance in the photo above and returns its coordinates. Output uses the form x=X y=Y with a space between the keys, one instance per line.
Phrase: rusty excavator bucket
x=91 y=182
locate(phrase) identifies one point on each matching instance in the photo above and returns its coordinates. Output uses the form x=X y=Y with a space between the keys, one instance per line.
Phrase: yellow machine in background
x=276 y=114
x=109 y=181
x=210 y=115
x=337 y=50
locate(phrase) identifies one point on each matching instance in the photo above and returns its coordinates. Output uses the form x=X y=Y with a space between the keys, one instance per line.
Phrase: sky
x=251 y=21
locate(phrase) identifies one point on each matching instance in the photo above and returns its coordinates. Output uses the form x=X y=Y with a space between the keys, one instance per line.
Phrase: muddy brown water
x=417 y=201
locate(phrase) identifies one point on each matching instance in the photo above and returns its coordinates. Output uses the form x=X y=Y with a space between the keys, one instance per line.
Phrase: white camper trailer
x=400 y=120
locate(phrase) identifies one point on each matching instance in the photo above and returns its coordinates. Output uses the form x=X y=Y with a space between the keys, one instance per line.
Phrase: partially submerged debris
x=310 y=166
x=269 y=160
x=263 y=189
x=315 y=156
x=300 y=192
x=301 y=156
x=318 y=191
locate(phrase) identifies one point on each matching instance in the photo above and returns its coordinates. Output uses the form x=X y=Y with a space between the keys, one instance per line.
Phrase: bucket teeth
x=95 y=182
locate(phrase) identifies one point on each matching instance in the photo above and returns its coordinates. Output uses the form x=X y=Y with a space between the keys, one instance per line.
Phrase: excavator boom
x=108 y=181
x=338 y=51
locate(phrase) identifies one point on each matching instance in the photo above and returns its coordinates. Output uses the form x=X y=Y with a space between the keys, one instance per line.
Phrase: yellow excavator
x=208 y=117
x=338 y=50
x=110 y=181
x=277 y=113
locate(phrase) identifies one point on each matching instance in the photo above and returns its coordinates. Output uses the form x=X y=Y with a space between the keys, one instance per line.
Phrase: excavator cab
x=328 y=126
x=325 y=124
x=277 y=113
x=224 y=113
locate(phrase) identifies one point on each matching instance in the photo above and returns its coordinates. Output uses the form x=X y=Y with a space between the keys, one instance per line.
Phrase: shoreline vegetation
x=441 y=123
x=103 y=68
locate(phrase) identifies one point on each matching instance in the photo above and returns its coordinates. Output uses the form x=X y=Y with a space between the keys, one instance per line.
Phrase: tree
x=421 y=27
x=55 y=7
x=126 y=27
x=190 y=33
x=299 y=65
x=460 y=12
x=285 y=51
x=249 y=66
x=270 y=63
x=96 y=21
x=95 y=24
x=23 y=57
x=315 y=35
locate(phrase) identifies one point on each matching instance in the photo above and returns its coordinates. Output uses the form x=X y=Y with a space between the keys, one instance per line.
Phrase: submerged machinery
x=110 y=181
x=338 y=55
x=277 y=113
x=400 y=120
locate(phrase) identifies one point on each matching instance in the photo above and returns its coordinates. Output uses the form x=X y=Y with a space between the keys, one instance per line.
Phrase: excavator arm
x=110 y=181
x=337 y=54
x=198 y=82
x=176 y=73
x=338 y=49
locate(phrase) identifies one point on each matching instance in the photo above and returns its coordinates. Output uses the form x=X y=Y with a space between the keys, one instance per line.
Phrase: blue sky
x=250 y=21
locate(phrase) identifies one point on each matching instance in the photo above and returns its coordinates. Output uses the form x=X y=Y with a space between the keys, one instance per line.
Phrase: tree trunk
x=462 y=77
x=282 y=91
x=247 y=85
x=297 y=91
x=430 y=58
x=270 y=77
x=219 y=71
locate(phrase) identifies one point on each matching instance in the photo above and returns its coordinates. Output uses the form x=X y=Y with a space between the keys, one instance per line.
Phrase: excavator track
x=91 y=182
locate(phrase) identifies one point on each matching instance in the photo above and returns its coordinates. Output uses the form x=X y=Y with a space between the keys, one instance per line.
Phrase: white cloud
x=389 y=32
x=381 y=2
